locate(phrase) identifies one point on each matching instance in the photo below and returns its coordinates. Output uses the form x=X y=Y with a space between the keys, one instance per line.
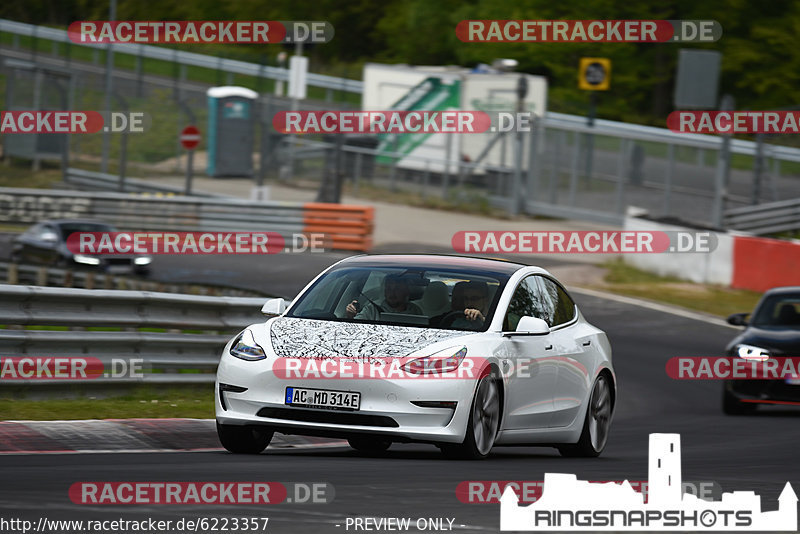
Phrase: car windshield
x=780 y=311
x=419 y=297
x=68 y=229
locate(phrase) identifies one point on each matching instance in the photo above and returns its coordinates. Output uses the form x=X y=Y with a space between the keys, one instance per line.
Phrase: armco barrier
x=703 y=268
x=165 y=356
x=45 y=275
x=739 y=261
x=99 y=181
x=760 y=263
x=763 y=219
x=349 y=226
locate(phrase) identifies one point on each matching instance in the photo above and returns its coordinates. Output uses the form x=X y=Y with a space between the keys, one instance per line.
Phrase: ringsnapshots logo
x=569 y=504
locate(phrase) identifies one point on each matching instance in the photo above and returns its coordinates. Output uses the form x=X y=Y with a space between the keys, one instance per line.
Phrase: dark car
x=772 y=330
x=46 y=243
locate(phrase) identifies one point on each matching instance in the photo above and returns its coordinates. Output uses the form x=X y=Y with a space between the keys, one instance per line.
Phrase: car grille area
x=329 y=417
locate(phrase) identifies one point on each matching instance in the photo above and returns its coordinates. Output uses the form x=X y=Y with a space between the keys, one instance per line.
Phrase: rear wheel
x=369 y=445
x=243 y=439
x=597 y=423
x=483 y=424
x=731 y=405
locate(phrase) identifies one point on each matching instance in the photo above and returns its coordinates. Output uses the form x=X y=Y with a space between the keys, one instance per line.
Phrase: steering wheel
x=450 y=318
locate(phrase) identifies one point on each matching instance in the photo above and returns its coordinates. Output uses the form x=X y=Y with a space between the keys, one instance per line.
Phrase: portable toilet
x=231 y=122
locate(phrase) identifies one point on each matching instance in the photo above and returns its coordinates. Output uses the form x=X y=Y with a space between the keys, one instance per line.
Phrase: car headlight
x=439 y=362
x=750 y=352
x=87 y=260
x=143 y=260
x=245 y=347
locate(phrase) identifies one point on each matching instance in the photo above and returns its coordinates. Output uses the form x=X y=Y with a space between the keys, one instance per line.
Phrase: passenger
x=474 y=297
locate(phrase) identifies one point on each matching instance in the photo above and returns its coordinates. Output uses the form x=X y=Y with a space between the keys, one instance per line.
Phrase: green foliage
x=761 y=62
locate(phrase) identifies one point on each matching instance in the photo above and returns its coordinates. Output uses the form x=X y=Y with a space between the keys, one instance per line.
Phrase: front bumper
x=764 y=391
x=386 y=409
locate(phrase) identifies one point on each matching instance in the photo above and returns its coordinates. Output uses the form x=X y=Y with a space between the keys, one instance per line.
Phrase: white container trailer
x=455 y=89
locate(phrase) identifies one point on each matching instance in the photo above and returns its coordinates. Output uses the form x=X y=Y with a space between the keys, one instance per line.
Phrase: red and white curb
x=128 y=436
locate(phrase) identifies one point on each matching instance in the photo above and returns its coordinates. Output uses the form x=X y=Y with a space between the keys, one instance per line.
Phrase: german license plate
x=323 y=398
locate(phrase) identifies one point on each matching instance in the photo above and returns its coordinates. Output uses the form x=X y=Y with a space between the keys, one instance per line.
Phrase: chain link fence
x=667 y=174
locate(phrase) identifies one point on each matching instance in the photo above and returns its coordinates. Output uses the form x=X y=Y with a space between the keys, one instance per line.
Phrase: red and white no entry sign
x=190 y=137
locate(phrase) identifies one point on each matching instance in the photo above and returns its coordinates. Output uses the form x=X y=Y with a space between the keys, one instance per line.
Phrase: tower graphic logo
x=569 y=504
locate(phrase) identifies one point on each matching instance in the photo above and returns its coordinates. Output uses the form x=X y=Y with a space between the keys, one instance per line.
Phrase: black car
x=46 y=243
x=772 y=330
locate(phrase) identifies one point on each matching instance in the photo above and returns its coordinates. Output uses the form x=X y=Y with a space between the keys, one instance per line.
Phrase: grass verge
x=624 y=279
x=196 y=401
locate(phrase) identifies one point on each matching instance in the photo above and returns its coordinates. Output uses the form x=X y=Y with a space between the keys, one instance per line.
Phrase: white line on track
x=664 y=308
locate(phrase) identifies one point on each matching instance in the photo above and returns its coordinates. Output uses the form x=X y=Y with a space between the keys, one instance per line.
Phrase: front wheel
x=243 y=439
x=483 y=424
x=596 y=425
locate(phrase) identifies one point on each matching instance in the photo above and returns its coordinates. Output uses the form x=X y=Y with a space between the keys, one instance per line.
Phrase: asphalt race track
x=757 y=452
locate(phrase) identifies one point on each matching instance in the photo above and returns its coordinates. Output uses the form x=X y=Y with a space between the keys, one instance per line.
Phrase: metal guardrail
x=638 y=132
x=165 y=356
x=348 y=227
x=129 y=212
x=763 y=219
x=44 y=275
x=99 y=181
x=185 y=58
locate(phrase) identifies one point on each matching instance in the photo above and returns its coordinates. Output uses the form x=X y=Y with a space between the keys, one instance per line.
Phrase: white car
x=463 y=353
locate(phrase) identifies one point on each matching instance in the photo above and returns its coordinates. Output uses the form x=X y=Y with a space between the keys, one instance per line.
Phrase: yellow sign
x=594 y=74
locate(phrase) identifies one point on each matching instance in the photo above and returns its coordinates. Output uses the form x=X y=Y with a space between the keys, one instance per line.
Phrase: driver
x=396 y=293
x=475 y=298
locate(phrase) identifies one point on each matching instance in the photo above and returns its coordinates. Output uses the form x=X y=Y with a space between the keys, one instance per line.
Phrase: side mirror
x=738 y=319
x=274 y=307
x=532 y=326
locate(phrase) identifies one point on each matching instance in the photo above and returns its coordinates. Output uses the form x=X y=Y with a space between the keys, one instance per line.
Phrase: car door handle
x=587 y=343
x=549 y=347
